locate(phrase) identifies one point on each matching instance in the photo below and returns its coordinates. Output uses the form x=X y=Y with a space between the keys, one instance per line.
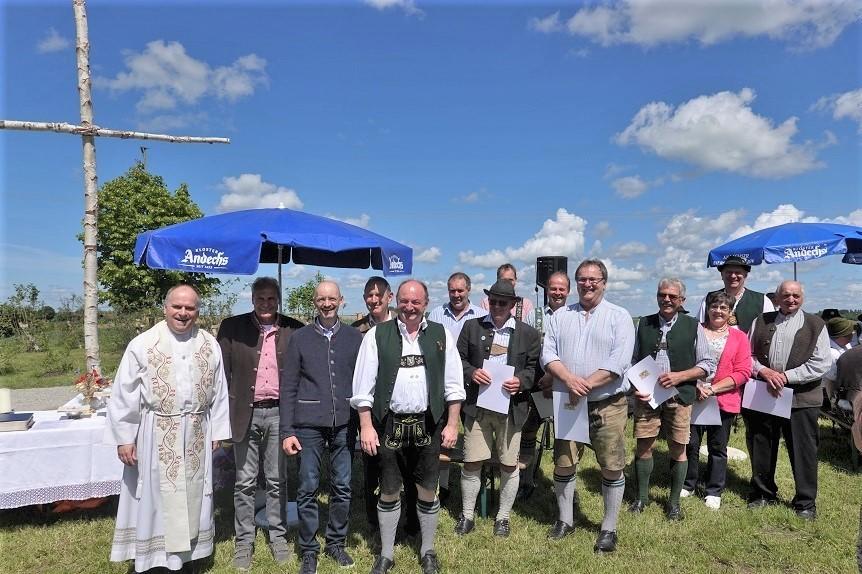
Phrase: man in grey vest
x=408 y=387
x=790 y=349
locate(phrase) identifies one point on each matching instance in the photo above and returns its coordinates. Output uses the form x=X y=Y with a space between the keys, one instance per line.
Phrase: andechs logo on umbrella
x=805 y=252
x=395 y=263
x=204 y=258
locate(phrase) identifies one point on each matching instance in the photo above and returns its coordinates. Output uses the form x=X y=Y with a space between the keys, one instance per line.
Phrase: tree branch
x=80 y=130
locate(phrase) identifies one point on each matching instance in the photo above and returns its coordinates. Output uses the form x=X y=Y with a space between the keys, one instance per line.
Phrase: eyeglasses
x=589 y=280
x=671 y=296
x=498 y=302
x=719 y=308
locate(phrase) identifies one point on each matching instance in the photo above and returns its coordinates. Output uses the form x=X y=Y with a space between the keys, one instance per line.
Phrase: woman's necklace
x=721 y=330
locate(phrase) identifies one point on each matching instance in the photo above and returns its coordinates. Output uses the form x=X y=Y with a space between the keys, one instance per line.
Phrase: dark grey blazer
x=525 y=346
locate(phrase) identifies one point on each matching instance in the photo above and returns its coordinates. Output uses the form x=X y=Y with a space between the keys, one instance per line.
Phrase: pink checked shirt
x=266 y=385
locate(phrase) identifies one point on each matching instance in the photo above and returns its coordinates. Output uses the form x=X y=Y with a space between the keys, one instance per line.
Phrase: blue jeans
x=314 y=440
x=261 y=441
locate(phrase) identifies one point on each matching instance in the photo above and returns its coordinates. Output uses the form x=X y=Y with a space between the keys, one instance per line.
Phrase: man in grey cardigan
x=315 y=412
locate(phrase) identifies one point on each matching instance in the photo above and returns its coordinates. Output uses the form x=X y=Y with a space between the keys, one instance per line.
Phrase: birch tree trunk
x=91 y=202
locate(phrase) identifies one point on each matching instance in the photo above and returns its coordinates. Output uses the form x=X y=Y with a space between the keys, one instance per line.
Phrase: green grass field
x=732 y=540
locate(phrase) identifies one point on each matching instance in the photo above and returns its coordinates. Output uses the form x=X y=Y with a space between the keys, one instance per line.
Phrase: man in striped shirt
x=587 y=350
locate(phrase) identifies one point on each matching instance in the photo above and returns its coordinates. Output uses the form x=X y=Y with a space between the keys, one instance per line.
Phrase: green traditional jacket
x=432 y=341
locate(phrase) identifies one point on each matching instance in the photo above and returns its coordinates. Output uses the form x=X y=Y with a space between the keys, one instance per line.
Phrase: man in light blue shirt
x=587 y=349
x=458 y=310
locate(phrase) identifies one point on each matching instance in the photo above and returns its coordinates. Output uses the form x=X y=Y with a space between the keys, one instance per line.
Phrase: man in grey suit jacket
x=253 y=348
x=497 y=338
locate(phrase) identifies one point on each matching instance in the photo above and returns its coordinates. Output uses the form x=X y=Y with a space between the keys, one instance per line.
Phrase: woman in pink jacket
x=732 y=351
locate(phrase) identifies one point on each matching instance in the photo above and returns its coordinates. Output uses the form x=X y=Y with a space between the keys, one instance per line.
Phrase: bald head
x=327 y=301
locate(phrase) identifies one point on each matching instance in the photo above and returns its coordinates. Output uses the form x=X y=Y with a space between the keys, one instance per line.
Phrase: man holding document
x=679 y=346
x=500 y=355
x=587 y=350
x=790 y=349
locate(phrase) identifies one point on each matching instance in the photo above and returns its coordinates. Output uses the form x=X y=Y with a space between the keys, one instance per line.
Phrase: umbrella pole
x=794 y=270
x=279 y=280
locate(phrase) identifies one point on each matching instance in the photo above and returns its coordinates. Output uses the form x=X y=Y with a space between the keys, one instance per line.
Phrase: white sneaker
x=684 y=493
x=713 y=502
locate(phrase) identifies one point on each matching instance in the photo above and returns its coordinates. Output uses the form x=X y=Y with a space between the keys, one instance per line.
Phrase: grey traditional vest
x=809 y=393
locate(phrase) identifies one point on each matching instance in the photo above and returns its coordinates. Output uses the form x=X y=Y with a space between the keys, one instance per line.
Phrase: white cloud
x=563 y=235
x=788 y=213
x=785 y=213
x=687 y=239
x=602 y=229
x=721 y=132
x=805 y=24
x=168 y=77
x=430 y=255
x=294 y=271
x=630 y=249
x=364 y=220
x=546 y=25
x=408 y=6
x=249 y=191
x=472 y=197
x=853 y=218
x=172 y=122
x=846 y=105
x=630 y=186
x=52 y=42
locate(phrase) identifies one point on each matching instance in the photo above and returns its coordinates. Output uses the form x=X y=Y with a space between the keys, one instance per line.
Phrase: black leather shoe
x=807 y=514
x=560 y=530
x=637 y=506
x=501 y=528
x=340 y=555
x=464 y=526
x=759 y=503
x=673 y=512
x=429 y=563
x=606 y=542
x=382 y=565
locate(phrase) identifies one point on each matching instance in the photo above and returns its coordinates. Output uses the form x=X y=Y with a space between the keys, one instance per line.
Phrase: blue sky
x=643 y=133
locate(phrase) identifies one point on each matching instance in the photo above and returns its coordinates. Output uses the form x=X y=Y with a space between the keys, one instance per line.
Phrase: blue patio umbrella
x=792 y=242
x=236 y=242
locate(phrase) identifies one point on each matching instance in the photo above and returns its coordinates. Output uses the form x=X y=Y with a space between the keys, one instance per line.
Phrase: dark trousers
x=371 y=468
x=802 y=437
x=314 y=441
x=716 y=467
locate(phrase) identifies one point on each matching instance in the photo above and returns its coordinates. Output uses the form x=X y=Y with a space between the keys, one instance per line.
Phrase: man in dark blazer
x=497 y=338
x=253 y=348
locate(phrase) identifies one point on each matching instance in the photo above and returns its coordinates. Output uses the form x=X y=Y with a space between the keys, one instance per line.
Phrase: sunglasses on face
x=498 y=302
x=671 y=296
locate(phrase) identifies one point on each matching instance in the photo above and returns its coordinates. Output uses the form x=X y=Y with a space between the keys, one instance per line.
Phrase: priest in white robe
x=167 y=412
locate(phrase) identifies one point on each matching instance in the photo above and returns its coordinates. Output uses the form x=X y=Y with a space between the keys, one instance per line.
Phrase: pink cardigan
x=735 y=362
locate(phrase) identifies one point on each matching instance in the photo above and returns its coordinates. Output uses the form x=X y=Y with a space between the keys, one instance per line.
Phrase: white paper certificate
x=545 y=407
x=493 y=397
x=757 y=398
x=571 y=422
x=706 y=412
x=644 y=376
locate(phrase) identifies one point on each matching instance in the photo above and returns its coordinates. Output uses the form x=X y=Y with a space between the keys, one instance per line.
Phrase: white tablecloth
x=57 y=459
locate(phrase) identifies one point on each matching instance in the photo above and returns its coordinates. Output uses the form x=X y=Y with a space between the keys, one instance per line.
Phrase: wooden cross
x=88 y=132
